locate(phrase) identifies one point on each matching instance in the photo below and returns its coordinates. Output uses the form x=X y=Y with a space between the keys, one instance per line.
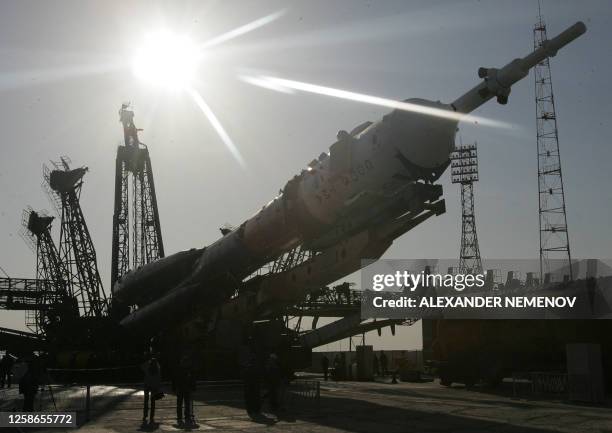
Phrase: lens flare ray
x=239 y=31
x=216 y=124
x=29 y=78
x=289 y=86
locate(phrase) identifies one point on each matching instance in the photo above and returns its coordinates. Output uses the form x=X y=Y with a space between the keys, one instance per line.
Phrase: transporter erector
x=375 y=184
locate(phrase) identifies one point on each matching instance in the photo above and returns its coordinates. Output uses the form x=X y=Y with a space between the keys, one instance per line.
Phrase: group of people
x=380 y=365
x=183 y=384
x=339 y=367
x=263 y=376
x=257 y=370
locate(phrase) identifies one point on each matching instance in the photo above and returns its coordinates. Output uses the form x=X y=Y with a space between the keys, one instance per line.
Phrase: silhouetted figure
x=286 y=373
x=185 y=384
x=325 y=366
x=251 y=376
x=130 y=132
x=344 y=291
x=273 y=381
x=384 y=363
x=375 y=366
x=6 y=367
x=152 y=384
x=336 y=367
x=28 y=385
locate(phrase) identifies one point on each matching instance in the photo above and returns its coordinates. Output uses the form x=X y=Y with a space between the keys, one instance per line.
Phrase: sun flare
x=166 y=60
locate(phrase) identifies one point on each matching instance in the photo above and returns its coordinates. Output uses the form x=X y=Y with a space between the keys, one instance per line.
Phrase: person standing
x=251 y=377
x=375 y=366
x=273 y=379
x=185 y=385
x=336 y=372
x=384 y=363
x=28 y=385
x=6 y=367
x=325 y=366
x=152 y=384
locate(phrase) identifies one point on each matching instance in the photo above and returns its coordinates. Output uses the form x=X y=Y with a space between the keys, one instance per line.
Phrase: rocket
x=374 y=184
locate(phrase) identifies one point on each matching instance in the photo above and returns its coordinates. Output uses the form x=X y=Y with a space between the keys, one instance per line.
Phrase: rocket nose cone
x=424 y=139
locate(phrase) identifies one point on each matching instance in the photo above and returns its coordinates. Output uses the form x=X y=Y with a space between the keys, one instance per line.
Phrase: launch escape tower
x=133 y=162
x=464 y=171
x=76 y=249
x=554 y=239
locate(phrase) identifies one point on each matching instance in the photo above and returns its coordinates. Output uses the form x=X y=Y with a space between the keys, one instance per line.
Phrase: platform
x=354 y=407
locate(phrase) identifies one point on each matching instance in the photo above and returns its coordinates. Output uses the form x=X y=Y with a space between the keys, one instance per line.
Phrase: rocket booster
x=365 y=168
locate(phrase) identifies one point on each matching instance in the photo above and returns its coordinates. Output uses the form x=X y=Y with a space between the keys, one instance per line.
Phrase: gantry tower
x=133 y=163
x=42 y=297
x=76 y=248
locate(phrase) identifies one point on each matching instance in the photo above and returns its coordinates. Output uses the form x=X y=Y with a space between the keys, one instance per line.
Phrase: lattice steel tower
x=76 y=248
x=554 y=238
x=51 y=274
x=464 y=171
x=133 y=162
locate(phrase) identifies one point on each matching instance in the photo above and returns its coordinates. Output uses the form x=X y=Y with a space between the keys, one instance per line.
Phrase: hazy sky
x=64 y=71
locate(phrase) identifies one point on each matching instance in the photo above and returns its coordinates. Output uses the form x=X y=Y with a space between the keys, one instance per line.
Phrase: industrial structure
x=258 y=280
x=464 y=171
x=133 y=162
x=554 y=237
x=76 y=249
x=52 y=289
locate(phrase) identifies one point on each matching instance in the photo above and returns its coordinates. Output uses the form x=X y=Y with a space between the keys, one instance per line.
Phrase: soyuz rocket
x=375 y=183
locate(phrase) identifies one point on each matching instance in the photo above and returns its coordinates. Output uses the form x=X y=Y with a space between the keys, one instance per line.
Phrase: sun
x=166 y=60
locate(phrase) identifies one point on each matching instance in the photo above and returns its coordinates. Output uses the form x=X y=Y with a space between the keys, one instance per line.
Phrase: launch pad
x=356 y=407
x=226 y=309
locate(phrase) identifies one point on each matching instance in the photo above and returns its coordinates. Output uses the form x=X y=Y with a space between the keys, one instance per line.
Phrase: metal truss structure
x=464 y=171
x=554 y=238
x=27 y=294
x=40 y=295
x=76 y=248
x=133 y=162
x=339 y=301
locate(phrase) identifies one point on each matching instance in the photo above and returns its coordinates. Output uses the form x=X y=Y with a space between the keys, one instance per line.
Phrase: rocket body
x=354 y=187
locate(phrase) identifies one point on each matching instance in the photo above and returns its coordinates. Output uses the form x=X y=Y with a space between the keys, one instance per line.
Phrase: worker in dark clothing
x=375 y=366
x=152 y=384
x=28 y=385
x=384 y=363
x=251 y=376
x=6 y=367
x=185 y=385
x=325 y=366
x=337 y=369
x=273 y=381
